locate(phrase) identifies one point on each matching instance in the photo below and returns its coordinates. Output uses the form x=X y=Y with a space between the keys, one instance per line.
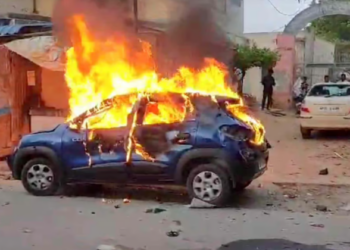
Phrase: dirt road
x=295 y=160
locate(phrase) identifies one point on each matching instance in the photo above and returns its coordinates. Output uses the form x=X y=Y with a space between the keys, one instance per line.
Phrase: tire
x=216 y=177
x=241 y=186
x=305 y=133
x=47 y=183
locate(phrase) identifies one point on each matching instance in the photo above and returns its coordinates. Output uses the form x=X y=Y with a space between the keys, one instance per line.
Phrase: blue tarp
x=5 y=111
x=8 y=30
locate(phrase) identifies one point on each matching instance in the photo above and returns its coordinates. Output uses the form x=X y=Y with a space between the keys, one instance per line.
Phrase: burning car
x=128 y=124
x=210 y=150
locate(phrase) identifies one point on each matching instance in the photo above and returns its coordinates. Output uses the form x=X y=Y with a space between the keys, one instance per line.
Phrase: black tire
x=305 y=133
x=241 y=186
x=226 y=192
x=55 y=183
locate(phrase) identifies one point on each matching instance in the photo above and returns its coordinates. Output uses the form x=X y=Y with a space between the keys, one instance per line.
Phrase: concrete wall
x=295 y=53
x=44 y=7
x=229 y=13
x=314 y=51
x=16 y=6
x=252 y=82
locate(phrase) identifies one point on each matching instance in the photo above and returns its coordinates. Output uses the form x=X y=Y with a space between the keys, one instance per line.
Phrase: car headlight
x=237 y=133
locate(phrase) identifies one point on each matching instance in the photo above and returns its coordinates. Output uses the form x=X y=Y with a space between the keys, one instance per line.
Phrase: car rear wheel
x=209 y=183
x=305 y=133
x=40 y=177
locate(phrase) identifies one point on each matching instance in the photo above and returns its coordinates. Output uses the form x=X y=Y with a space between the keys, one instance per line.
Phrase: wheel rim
x=207 y=186
x=40 y=177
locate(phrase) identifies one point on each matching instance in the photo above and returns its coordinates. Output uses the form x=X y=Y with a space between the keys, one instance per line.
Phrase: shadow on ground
x=332 y=135
x=269 y=244
x=257 y=198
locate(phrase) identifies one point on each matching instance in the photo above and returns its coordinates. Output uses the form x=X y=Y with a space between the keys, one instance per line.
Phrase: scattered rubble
x=317 y=225
x=324 y=172
x=346 y=208
x=156 y=210
x=173 y=233
x=321 y=208
x=196 y=203
x=27 y=231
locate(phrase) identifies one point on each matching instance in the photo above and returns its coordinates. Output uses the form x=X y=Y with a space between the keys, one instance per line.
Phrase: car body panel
x=100 y=155
x=326 y=112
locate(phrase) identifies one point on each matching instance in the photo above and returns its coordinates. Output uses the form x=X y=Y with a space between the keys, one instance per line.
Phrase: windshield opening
x=330 y=90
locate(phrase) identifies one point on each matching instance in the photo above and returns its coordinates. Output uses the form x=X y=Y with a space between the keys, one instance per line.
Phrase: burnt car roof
x=155 y=97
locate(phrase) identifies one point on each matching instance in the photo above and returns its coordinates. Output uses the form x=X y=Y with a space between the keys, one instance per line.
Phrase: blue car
x=210 y=152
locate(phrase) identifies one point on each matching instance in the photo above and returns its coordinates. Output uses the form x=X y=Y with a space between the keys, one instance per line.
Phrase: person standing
x=343 y=79
x=268 y=83
x=304 y=87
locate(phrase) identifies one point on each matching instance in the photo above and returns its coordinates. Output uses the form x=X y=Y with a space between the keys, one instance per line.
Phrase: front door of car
x=160 y=144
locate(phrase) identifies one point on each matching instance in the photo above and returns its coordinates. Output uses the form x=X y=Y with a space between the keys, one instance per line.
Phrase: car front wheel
x=209 y=183
x=40 y=177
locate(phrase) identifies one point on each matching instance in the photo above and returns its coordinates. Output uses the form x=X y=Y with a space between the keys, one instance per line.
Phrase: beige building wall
x=16 y=6
x=44 y=7
x=309 y=50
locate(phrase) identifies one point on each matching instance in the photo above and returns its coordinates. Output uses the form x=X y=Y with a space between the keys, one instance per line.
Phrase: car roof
x=161 y=96
x=331 y=83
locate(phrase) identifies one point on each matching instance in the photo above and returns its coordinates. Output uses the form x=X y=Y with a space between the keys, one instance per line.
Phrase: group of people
x=269 y=83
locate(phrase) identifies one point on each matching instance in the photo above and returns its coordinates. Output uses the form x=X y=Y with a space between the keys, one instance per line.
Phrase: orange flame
x=100 y=69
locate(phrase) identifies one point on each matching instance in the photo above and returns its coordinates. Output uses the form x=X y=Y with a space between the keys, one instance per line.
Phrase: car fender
x=27 y=152
x=216 y=156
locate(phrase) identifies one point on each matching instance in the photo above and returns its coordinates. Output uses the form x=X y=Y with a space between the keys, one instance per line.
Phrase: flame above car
x=101 y=69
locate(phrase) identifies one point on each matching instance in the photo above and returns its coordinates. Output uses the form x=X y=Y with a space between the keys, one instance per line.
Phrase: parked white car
x=325 y=107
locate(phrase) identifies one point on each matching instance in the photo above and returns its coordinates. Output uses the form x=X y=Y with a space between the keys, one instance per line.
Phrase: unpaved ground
x=82 y=223
x=293 y=159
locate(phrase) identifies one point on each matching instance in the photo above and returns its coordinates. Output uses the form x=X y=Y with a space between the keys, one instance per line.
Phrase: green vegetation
x=249 y=56
x=333 y=28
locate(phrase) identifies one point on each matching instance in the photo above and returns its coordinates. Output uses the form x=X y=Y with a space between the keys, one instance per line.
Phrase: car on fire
x=211 y=151
x=325 y=107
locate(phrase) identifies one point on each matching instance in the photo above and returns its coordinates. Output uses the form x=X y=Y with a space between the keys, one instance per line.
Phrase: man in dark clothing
x=268 y=82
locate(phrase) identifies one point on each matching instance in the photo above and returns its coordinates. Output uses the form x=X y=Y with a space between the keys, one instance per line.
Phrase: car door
x=161 y=143
x=96 y=154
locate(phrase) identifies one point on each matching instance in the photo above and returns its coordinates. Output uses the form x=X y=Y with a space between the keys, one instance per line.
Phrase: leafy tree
x=333 y=28
x=249 y=56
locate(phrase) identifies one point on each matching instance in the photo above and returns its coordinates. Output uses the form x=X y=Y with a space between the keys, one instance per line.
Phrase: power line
x=282 y=13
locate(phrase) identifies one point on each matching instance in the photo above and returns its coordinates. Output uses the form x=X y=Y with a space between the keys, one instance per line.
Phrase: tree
x=249 y=56
x=333 y=28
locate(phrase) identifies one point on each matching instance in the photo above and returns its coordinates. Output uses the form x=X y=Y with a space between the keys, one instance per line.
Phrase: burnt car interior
x=155 y=138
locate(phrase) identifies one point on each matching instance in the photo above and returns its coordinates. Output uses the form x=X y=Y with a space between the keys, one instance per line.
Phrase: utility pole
x=136 y=14
x=35 y=7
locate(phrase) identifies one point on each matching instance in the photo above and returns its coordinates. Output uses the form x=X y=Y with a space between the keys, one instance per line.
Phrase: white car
x=325 y=107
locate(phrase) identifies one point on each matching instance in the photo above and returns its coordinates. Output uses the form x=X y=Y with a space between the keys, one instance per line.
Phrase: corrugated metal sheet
x=9 y=30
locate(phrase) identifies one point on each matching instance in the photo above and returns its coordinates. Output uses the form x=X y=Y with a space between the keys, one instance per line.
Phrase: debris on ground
x=156 y=210
x=5 y=204
x=173 y=233
x=346 y=208
x=324 y=172
x=317 y=225
x=116 y=206
x=106 y=247
x=276 y=112
x=196 y=203
x=126 y=201
x=338 y=155
x=27 y=231
x=6 y=176
x=321 y=208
